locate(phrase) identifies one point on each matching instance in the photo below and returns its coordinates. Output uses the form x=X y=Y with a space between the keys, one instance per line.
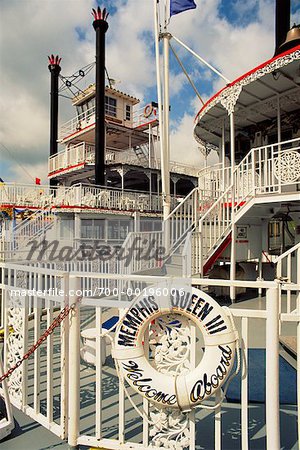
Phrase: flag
x=37 y=181
x=178 y=6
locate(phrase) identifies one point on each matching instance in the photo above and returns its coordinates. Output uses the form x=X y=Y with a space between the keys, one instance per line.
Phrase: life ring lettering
x=183 y=391
x=148 y=110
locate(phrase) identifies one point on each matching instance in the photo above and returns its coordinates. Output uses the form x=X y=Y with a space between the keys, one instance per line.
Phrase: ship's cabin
x=118 y=106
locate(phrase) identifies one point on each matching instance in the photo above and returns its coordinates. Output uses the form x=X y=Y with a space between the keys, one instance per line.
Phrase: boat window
x=118 y=229
x=79 y=109
x=110 y=106
x=113 y=229
x=128 y=112
x=124 y=229
x=150 y=225
x=91 y=103
x=66 y=229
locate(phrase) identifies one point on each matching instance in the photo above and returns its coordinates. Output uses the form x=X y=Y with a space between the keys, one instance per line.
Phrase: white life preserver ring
x=183 y=391
x=148 y=110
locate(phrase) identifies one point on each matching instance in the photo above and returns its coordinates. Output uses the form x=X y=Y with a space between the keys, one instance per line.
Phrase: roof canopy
x=253 y=97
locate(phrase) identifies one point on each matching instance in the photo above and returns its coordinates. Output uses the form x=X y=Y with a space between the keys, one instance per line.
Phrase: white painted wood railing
x=214 y=178
x=142 y=251
x=288 y=270
x=184 y=217
x=14 y=244
x=263 y=171
x=267 y=168
x=82 y=196
x=114 y=114
x=76 y=156
x=47 y=386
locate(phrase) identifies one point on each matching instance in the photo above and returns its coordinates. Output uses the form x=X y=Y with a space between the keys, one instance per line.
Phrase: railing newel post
x=272 y=368
x=74 y=363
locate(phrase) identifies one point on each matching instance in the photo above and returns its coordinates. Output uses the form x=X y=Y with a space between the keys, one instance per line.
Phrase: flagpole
x=165 y=176
x=166 y=113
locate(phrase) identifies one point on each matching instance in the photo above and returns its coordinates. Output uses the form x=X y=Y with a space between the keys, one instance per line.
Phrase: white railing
x=80 y=196
x=288 y=269
x=77 y=123
x=264 y=170
x=142 y=251
x=214 y=226
x=14 y=244
x=35 y=226
x=73 y=156
x=184 y=217
x=81 y=154
x=86 y=119
x=57 y=370
x=214 y=178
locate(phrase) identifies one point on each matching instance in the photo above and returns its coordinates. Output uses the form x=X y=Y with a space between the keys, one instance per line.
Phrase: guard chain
x=56 y=322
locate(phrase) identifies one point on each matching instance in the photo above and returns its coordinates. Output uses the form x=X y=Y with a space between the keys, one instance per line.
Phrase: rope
x=14 y=158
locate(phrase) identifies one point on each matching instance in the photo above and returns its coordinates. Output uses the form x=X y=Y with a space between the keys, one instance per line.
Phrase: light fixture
x=275 y=75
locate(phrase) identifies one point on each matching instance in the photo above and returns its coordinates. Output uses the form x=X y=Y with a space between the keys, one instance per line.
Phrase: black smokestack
x=54 y=69
x=282 y=22
x=100 y=25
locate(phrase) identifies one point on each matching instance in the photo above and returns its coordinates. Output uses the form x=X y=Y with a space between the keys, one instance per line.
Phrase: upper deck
x=265 y=104
x=122 y=115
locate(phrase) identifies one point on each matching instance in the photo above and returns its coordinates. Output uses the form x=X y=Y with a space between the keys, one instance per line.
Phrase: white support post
x=121 y=172
x=136 y=221
x=260 y=273
x=232 y=146
x=244 y=382
x=272 y=369
x=233 y=259
x=99 y=358
x=74 y=364
x=163 y=158
x=201 y=251
x=223 y=154
x=233 y=200
x=298 y=338
x=166 y=134
x=278 y=120
x=149 y=145
x=64 y=362
x=77 y=226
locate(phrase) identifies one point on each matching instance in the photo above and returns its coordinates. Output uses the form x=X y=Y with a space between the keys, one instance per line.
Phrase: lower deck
x=30 y=434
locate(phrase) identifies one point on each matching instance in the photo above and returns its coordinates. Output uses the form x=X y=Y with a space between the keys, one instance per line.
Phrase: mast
x=163 y=110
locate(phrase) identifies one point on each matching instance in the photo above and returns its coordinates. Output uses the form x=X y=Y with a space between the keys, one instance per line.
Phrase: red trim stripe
x=269 y=61
x=67 y=168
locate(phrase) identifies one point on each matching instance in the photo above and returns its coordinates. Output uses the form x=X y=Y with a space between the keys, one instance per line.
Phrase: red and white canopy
x=253 y=97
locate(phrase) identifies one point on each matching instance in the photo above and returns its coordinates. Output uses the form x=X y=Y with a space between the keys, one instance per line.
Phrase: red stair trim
x=217 y=254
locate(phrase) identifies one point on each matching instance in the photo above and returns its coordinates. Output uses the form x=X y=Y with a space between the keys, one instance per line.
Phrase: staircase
x=32 y=228
x=142 y=152
x=210 y=215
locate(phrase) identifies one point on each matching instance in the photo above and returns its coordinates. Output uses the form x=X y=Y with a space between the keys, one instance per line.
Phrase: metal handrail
x=287 y=253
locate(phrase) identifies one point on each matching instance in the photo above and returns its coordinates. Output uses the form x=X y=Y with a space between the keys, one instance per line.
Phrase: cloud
x=32 y=29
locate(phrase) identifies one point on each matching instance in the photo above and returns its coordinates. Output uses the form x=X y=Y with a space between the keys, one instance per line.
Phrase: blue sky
x=233 y=35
